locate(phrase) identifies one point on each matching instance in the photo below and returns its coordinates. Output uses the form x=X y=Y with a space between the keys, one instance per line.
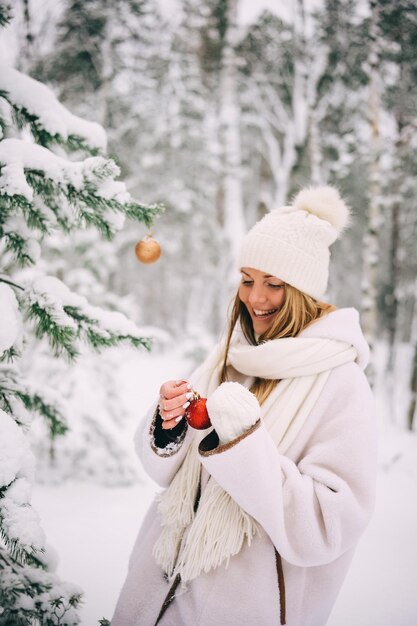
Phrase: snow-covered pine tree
x=53 y=177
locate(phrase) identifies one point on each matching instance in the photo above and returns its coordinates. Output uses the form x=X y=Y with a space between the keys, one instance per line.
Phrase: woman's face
x=263 y=295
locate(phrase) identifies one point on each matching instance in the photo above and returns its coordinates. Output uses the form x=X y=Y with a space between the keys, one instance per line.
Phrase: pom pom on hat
x=324 y=202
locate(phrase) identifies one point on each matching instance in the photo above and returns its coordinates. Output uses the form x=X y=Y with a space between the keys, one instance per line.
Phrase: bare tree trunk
x=26 y=52
x=107 y=73
x=394 y=263
x=370 y=242
x=315 y=150
x=413 y=386
x=230 y=195
x=394 y=276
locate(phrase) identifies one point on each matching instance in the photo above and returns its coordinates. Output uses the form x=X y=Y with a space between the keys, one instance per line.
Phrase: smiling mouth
x=263 y=314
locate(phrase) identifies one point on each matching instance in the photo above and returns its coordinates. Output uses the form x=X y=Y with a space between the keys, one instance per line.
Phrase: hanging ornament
x=148 y=249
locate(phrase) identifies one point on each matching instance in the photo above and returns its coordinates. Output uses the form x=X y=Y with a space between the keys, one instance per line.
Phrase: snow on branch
x=35 y=595
x=16 y=156
x=11 y=321
x=64 y=316
x=38 y=104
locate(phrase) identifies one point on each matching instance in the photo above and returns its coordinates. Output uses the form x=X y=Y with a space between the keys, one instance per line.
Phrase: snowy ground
x=93 y=528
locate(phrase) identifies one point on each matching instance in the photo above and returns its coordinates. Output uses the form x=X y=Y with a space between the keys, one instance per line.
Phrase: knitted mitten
x=232 y=409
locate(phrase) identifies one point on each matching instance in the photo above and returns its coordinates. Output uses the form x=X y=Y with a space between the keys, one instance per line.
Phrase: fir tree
x=53 y=177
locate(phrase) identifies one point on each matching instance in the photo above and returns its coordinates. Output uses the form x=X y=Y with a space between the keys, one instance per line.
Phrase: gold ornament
x=148 y=249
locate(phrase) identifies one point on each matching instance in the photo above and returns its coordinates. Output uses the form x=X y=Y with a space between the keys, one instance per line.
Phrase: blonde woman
x=261 y=512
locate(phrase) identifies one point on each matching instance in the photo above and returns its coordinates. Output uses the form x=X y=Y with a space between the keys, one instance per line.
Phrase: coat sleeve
x=315 y=509
x=161 y=464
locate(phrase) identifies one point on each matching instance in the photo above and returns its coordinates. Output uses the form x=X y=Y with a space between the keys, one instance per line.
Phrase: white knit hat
x=293 y=242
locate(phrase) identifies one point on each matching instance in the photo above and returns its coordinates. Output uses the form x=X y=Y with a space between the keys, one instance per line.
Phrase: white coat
x=313 y=504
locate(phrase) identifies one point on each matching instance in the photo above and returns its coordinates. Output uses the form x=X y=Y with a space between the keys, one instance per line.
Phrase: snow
x=40 y=101
x=21 y=523
x=11 y=322
x=19 y=520
x=380 y=586
x=93 y=528
x=15 y=457
x=112 y=189
x=13 y=181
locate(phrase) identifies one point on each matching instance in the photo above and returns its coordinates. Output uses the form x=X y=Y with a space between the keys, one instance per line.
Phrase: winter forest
x=188 y=120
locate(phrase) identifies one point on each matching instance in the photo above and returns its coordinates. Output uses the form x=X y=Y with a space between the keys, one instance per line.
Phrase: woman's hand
x=174 y=398
x=233 y=409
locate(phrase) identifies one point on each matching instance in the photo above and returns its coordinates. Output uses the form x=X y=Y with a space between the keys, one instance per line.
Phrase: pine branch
x=61 y=338
x=5 y=14
x=93 y=207
x=9 y=282
x=64 y=317
x=12 y=389
x=142 y=212
x=19 y=247
x=54 y=197
x=18 y=553
x=9 y=204
x=10 y=355
x=41 y=136
x=53 y=416
x=100 y=337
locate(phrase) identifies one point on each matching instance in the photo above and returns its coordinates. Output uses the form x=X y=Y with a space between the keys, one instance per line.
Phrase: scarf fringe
x=173 y=506
x=177 y=511
x=208 y=545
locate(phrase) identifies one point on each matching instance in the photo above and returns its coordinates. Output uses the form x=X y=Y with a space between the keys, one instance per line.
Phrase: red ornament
x=196 y=414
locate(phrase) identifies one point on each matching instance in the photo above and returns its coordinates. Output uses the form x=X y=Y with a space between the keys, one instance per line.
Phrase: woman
x=262 y=512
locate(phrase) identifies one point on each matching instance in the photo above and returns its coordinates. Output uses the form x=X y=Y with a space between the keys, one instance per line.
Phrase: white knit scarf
x=219 y=527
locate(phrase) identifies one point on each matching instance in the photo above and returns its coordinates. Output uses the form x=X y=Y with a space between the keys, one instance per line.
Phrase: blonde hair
x=297 y=312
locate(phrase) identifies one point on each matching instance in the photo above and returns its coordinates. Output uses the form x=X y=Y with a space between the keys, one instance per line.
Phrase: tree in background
x=274 y=88
x=53 y=178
